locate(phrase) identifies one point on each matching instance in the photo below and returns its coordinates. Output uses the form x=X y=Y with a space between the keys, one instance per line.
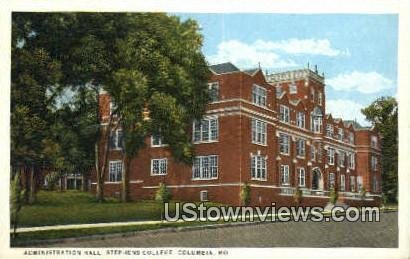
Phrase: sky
x=357 y=53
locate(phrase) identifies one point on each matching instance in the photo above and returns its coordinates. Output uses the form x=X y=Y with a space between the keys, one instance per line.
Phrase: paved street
x=296 y=234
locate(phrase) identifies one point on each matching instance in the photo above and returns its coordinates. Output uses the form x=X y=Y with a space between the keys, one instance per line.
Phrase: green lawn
x=75 y=207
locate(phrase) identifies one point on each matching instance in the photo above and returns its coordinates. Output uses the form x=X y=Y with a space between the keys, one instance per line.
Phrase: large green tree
x=148 y=62
x=383 y=114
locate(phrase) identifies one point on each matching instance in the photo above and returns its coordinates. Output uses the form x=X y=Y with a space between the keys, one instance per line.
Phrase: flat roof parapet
x=292 y=75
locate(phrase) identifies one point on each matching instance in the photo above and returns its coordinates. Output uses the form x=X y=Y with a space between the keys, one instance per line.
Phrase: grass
x=75 y=207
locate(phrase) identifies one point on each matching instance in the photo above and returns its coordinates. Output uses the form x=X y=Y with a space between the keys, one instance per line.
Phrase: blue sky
x=357 y=53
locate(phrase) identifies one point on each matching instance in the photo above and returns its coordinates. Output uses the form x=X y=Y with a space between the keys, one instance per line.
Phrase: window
x=352 y=183
x=284 y=113
x=113 y=107
x=312 y=94
x=319 y=151
x=300 y=147
x=341 y=159
x=342 y=182
x=312 y=153
x=278 y=91
x=213 y=89
x=359 y=183
x=284 y=174
x=320 y=98
x=115 y=171
x=301 y=177
x=293 y=89
x=206 y=130
x=205 y=167
x=300 y=119
x=157 y=141
x=340 y=134
x=351 y=160
x=374 y=163
x=258 y=95
x=316 y=122
x=259 y=132
x=330 y=156
x=203 y=195
x=351 y=138
x=284 y=141
x=258 y=167
x=373 y=141
x=159 y=166
x=374 y=184
x=116 y=139
x=329 y=130
x=331 y=180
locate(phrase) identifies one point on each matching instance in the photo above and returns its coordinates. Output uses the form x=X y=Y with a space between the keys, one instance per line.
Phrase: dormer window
x=258 y=95
x=284 y=114
x=213 y=89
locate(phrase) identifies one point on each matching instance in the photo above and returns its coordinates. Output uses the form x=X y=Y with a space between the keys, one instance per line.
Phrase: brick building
x=269 y=131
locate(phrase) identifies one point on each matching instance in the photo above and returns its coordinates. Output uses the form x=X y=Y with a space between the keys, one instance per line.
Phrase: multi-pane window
x=341 y=158
x=206 y=130
x=157 y=140
x=284 y=143
x=259 y=95
x=115 y=171
x=284 y=175
x=351 y=138
x=342 y=182
x=116 y=139
x=330 y=156
x=259 y=132
x=340 y=134
x=352 y=183
x=278 y=91
x=373 y=141
x=331 y=180
x=300 y=119
x=258 y=167
x=329 y=130
x=300 y=147
x=312 y=94
x=374 y=163
x=159 y=166
x=359 y=183
x=213 y=89
x=374 y=184
x=293 y=89
x=312 y=153
x=316 y=123
x=319 y=151
x=320 y=98
x=205 y=167
x=301 y=176
x=351 y=160
x=284 y=113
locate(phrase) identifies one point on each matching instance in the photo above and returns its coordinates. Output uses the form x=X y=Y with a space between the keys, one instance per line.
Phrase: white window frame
x=374 y=183
x=373 y=141
x=351 y=160
x=301 y=176
x=342 y=182
x=284 y=175
x=351 y=137
x=284 y=144
x=301 y=120
x=259 y=132
x=359 y=181
x=206 y=171
x=284 y=113
x=332 y=180
x=259 y=95
x=373 y=161
x=320 y=98
x=340 y=134
x=300 y=147
x=162 y=166
x=331 y=156
x=293 y=89
x=115 y=134
x=160 y=141
x=203 y=195
x=316 y=123
x=352 y=184
x=208 y=130
x=341 y=158
x=213 y=86
x=259 y=168
x=329 y=130
x=117 y=175
x=312 y=153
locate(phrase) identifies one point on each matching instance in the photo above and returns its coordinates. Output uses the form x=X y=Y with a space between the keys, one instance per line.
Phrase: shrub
x=245 y=194
x=162 y=195
x=363 y=192
x=297 y=196
x=15 y=201
x=333 y=196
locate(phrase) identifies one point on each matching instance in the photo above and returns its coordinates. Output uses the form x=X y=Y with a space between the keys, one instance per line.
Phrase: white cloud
x=266 y=52
x=368 y=83
x=347 y=110
x=320 y=47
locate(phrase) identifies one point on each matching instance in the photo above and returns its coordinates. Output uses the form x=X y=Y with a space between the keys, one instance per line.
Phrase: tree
x=383 y=115
x=15 y=201
x=245 y=194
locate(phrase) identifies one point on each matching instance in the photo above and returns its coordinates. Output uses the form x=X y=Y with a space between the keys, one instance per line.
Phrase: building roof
x=251 y=71
x=224 y=68
x=356 y=125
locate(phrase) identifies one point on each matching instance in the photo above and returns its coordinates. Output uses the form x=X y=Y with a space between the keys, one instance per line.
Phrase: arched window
x=316 y=118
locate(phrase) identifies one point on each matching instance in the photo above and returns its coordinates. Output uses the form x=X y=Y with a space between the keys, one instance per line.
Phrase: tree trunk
x=26 y=184
x=125 y=179
x=32 y=195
